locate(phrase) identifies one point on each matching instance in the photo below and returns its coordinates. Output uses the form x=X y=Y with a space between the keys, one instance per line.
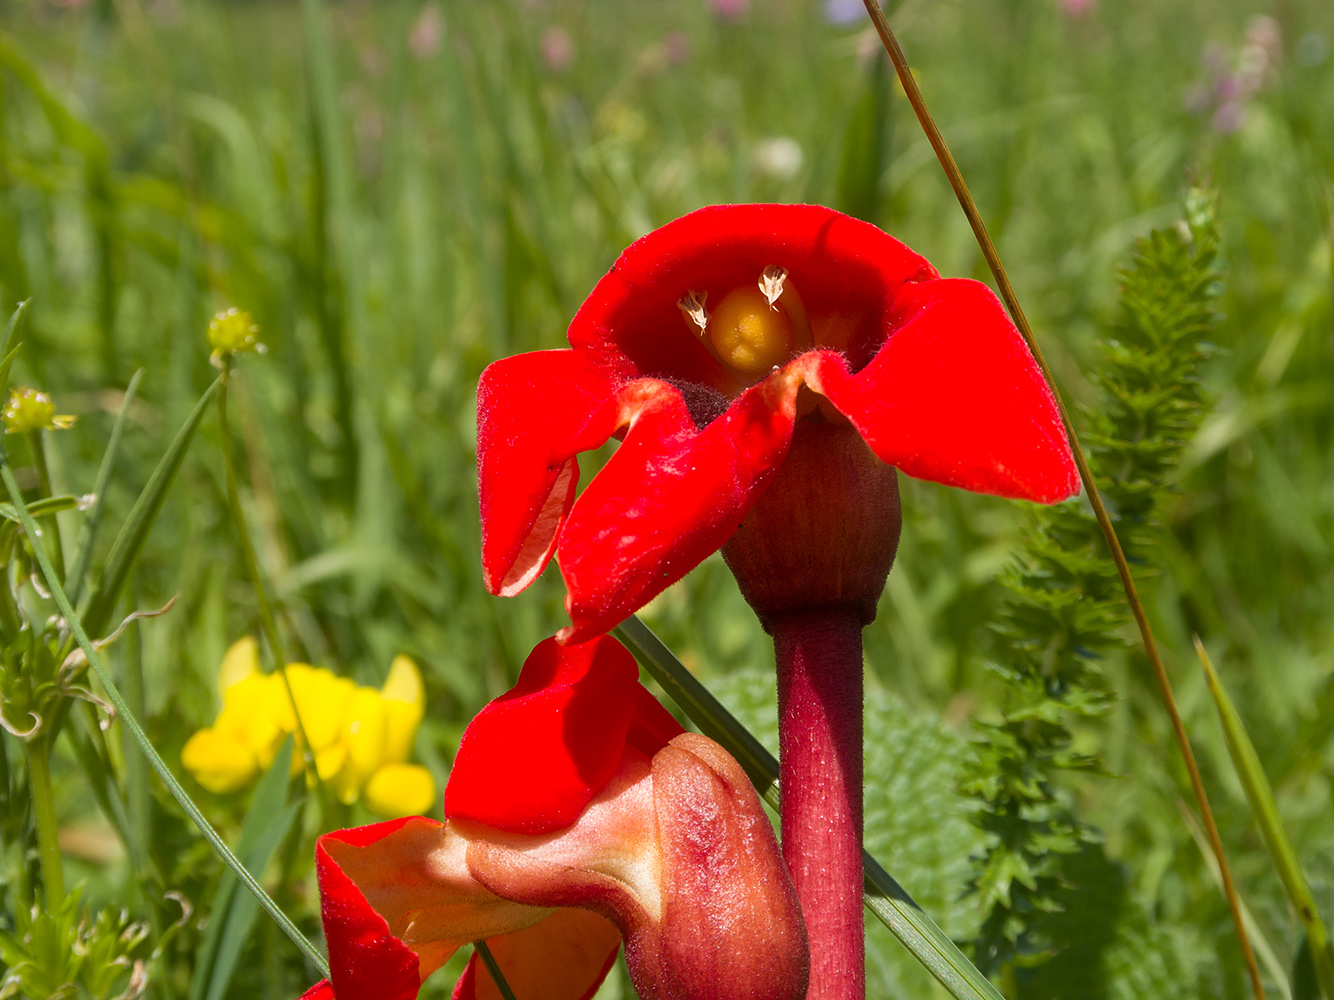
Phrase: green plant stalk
x=128 y=720
x=955 y=177
x=38 y=447
x=883 y=896
x=266 y=617
x=493 y=967
x=1260 y=795
x=38 y=753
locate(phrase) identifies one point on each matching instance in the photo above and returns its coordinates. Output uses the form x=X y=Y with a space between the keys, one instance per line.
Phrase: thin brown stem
x=955 y=178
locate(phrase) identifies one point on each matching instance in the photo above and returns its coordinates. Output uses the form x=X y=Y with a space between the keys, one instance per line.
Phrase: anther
x=691 y=305
x=771 y=283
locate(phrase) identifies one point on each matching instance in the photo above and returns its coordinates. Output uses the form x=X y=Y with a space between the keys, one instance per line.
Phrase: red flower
x=578 y=812
x=709 y=344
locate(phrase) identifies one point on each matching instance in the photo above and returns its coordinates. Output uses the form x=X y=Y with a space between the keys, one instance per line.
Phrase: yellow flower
x=400 y=790
x=32 y=410
x=404 y=703
x=360 y=737
x=233 y=331
x=363 y=735
x=218 y=761
x=239 y=662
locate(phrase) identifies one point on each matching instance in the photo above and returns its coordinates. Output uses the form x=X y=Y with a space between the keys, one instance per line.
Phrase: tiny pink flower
x=728 y=10
x=557 y=49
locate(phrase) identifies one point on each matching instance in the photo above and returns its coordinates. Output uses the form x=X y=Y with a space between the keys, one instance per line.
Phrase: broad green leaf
x=1104 y=944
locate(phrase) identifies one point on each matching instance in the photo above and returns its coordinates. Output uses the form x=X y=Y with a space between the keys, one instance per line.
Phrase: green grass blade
x=1265 y=810
x=232 y=917
x=885 y=898
x=15 y=318
x=134 y=532
x=85 y=555
x=132 y=724
x=8 y=363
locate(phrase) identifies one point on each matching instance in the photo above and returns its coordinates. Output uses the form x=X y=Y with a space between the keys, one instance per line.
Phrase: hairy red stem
x=819 y=655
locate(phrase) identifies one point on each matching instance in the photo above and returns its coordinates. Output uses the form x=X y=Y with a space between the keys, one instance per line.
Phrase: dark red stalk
x=811 y=559
x=819 y=656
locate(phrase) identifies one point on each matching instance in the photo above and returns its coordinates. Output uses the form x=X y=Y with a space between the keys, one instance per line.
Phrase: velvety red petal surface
x=669 y=496
x=533 y=758
x=955 y=397
x=565 y=957
x=320 y=991
x=366 y=962
x=530 y=410
x=845 y=269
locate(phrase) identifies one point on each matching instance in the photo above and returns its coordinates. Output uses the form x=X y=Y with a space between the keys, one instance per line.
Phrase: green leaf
x=1265 y=811
x=885 y=898
x=85 y=556
x=134 y=532
x=1103 y=943
x=866 y=146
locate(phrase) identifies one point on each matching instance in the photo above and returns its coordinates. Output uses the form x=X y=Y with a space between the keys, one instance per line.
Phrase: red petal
x=320 y=991
x=565 y=957
x=845 y=269
x=954 y=396
x=533 y=758
x=653 y=727
x=669 y=496
x=366 y=962
x=530 y=410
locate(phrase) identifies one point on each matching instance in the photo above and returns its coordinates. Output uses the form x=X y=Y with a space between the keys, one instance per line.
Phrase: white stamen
x=771 y=283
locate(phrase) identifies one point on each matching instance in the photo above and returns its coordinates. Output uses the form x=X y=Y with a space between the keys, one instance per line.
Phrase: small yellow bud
x=400 y=790
x=404 y=703
x=749 y=334
x=218 y=761
x=233 y=331
x=239 y=662
x=32 y=410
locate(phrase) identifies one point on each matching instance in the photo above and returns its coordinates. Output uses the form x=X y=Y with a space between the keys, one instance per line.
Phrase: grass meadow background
x=400 y=193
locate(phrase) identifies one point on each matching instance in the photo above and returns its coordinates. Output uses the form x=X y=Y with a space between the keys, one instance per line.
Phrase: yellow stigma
x=749 y=334
x=32 y=410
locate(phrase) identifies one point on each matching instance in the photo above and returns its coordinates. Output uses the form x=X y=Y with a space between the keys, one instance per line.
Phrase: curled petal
x=954 y=396
x=530 y=411
x=366 y=961
x=670 y=495
x=398 y=901
x=533 y=758
x=679 y=855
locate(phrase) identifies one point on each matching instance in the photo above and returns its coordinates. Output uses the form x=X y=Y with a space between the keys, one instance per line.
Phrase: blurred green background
x=400 y=193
